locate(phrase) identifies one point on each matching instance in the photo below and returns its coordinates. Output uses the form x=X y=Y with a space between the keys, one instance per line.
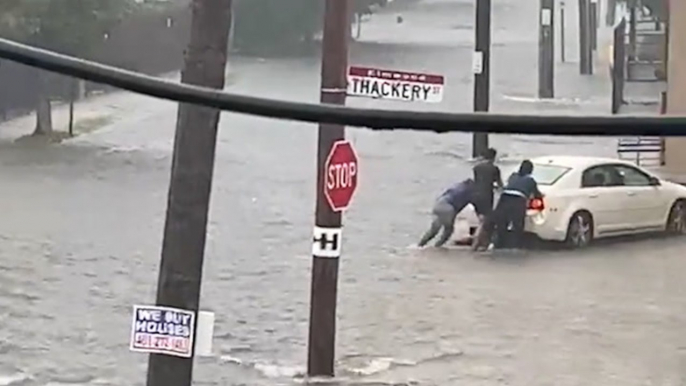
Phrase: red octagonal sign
x=340 y=175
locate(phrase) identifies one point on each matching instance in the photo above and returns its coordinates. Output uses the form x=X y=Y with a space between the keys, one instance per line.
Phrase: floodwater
x=81 y=227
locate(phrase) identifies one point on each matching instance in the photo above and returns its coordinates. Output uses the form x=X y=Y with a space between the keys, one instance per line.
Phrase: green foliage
x=363 y=7
x=68 y=26
x=268 y=25
x=656 y=7
x=281 y=25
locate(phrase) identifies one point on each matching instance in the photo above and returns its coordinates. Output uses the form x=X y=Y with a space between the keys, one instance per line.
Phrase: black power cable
x=375 y=119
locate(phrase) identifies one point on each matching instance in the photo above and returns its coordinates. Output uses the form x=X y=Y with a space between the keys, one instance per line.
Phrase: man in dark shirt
x=445 y=210
x=486 y=177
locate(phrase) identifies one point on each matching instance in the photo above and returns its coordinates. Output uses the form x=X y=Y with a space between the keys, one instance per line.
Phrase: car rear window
x=544 y=174
x=549 y=174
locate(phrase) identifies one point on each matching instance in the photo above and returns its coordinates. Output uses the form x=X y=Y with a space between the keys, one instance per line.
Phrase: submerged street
x=81 y=228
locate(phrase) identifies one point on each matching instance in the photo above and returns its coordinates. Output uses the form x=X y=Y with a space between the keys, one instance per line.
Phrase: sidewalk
x=665 y=173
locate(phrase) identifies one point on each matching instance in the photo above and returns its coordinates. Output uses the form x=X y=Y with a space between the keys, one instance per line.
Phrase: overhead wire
x=375 y=119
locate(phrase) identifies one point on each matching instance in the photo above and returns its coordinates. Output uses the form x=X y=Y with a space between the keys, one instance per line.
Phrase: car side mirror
x=654 y=181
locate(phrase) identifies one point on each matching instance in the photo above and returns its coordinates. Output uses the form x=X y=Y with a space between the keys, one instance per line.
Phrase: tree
x=281 y=26
x=71 y=27
x=657 y=8
x=276 y=26
x=363 y=8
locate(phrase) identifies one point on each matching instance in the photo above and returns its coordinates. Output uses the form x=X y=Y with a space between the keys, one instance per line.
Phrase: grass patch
x=89 y=125
x=230 y=78
x=82 y=126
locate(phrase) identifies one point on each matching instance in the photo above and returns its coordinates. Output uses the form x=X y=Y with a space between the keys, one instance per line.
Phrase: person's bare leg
x=476 y=240
x=482 y=235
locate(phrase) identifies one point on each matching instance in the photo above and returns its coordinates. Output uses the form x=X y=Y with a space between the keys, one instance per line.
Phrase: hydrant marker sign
x=162 y=330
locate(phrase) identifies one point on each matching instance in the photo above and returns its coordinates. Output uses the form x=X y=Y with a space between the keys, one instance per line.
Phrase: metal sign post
x=482 y=70
x=546 y=50
x=327 y=231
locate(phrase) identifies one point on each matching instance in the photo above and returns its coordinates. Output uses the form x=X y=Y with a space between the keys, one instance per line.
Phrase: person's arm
x=534 y=189
x=498 y=178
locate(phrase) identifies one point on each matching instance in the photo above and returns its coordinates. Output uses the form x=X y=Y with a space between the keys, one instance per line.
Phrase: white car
x=589 y=198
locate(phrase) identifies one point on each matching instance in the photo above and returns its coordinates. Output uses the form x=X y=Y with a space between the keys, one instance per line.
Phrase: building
x=675 y=156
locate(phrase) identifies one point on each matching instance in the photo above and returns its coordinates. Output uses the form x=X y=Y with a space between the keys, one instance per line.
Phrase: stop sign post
x=336 y=182
x=341 y=175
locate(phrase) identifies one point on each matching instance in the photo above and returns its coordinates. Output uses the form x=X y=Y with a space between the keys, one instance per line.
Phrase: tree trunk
x=73 y=94
x=43 y=108
x=71 y=117
x=183 y=245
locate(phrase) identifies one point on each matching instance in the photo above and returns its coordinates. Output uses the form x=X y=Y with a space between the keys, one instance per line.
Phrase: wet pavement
x=81 y=228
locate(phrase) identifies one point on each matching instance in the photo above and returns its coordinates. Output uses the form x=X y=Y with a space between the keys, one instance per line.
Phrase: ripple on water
x=373 y=366
x=265 y=368
x=14 y=379
x=73 y=380
x=351 y=369
x=19 y=294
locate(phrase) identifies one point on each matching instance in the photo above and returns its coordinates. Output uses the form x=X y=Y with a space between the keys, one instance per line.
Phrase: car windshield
x=544 y=174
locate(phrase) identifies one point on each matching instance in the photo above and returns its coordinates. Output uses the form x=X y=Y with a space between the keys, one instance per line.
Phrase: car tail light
x=536 y=204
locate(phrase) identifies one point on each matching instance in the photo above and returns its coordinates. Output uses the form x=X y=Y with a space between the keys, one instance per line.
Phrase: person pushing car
x=486 y=177
x=446 y=208
x=512 y=206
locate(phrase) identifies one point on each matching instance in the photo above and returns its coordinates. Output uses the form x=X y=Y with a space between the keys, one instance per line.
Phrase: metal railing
x=645 y=46
x=644 y=151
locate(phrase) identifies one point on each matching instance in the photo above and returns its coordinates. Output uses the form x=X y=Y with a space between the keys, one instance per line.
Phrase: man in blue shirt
x=511 y=208
x=445 y=210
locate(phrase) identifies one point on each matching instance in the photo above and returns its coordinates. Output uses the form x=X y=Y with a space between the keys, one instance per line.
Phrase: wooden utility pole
x=183 y=246
x=546 y=50
x=322 y=332
x=482 y=70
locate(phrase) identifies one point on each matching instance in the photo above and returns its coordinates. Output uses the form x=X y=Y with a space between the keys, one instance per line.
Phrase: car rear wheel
x=676 y=222
x=579 y=230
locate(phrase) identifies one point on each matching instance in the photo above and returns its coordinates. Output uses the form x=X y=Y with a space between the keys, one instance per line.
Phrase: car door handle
x=631 y=193
x=593 y=196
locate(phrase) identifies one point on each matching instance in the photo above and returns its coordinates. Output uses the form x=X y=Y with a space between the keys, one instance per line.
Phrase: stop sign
x=340 y=175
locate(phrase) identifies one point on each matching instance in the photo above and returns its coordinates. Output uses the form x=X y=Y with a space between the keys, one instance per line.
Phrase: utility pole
x=482 y=70
x=593 y=17
x=324 y=288
x=563 y=49
x=633 y=8
x=183 y=246
x=585 y=57
x=546 y=50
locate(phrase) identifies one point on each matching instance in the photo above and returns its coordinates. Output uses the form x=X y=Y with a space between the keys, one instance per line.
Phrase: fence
x=150 y=42
x=644 y=151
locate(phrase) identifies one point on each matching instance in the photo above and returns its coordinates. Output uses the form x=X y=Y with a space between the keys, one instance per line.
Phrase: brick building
x=675 y=156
